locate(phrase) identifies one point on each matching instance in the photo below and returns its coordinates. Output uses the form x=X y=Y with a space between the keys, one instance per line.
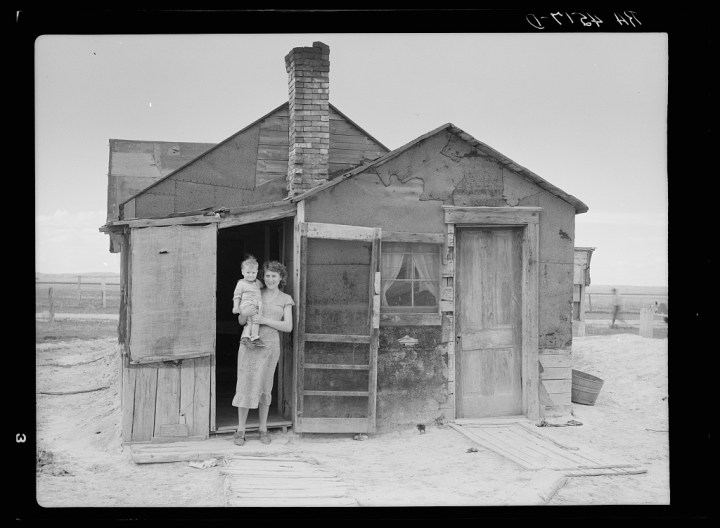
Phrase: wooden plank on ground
x=525 y=446
x=477 y=436
x=264 y=482
x=142 y=455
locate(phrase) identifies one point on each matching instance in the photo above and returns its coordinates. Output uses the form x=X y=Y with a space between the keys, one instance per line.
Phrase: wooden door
x=172 y=295
x=489 y=332
x=338 y=329
x=168 y=373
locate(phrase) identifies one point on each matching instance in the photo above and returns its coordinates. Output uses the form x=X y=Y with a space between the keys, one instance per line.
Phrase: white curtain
x=427 y=270
x=392 y=264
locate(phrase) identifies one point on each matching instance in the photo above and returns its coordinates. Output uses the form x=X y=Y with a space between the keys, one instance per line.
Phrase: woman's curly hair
x=277 y=267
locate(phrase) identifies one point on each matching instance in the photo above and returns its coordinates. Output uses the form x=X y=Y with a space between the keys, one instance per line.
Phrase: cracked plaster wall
x=406 y=194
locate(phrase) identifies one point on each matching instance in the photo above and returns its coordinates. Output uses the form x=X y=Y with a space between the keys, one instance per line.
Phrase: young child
x=247 y=294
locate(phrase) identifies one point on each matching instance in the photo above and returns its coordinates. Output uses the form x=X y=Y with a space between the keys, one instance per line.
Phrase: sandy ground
x=81 y=462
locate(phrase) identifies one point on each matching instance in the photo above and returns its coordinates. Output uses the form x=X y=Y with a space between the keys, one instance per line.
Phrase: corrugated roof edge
x=579 y=206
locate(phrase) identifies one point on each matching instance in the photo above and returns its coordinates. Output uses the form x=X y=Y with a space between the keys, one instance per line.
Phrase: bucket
x=585 y=387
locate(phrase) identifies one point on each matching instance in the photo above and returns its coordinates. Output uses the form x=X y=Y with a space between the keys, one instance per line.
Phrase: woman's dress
x=256 y=365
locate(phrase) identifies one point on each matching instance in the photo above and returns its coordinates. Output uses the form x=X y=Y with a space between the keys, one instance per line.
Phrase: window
x=410 y=278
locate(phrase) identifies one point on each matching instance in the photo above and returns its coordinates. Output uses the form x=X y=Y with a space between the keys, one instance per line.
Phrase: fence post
x=52 y=305
x=589 y=302
x=79 y=290
x=102 y=286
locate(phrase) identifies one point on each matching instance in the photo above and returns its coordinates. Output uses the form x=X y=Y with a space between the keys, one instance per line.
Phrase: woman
x=256 y=366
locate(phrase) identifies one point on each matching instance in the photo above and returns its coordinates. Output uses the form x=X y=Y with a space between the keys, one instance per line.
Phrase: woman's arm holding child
x=245 y=314
x=285 y=325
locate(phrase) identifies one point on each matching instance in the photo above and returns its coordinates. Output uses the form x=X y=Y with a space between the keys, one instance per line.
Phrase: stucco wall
x=412 y=381
x=406 y=194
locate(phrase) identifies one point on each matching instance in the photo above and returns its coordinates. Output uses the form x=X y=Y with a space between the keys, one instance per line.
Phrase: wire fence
x=87 y=295
x=97 y=295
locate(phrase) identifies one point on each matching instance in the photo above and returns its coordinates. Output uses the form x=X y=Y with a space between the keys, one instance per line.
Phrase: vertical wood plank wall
x=154 y=395
x=166 y=394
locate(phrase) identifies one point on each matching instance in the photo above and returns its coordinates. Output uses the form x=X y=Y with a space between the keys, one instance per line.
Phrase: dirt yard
x=81 y=462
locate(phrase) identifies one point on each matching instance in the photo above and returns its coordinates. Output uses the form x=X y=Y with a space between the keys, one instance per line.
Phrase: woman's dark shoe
x=239 y=438
x=264 y=437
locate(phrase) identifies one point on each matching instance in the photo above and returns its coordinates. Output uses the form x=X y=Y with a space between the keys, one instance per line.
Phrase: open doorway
x=265 y=241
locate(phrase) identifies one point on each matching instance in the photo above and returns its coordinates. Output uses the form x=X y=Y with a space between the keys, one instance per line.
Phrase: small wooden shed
x=432 y=282
x=581 y=280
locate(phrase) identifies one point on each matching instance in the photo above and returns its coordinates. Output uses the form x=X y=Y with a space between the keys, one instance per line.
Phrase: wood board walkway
x=516 y=440
x=188 y=451
x=282 y=481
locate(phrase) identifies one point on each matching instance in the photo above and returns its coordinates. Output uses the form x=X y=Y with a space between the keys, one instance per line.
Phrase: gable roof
x=228 y=139
x=210 y=150
x=579 y=206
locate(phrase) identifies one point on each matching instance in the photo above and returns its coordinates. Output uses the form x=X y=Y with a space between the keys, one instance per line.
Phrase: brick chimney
x=309 y=93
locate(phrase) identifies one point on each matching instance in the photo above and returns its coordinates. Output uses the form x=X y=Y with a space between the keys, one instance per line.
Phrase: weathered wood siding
x=349 y=146
x=220 y=178
x=166 y=401
x=134 y=165
x=248 y=168
x=405 y=194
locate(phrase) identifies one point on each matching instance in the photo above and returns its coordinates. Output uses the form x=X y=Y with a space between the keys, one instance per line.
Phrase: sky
x=586 y=112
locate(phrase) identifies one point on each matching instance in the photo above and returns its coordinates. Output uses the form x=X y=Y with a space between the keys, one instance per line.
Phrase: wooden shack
x=581 y=280
x=432 y=282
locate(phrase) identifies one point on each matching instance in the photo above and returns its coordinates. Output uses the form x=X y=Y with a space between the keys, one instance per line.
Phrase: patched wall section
x=367 y=200
x=223 y=177
x=135 y=165
x=412 y=380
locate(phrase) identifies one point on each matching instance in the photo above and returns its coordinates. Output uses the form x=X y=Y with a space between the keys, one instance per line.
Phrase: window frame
x=410 y=318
